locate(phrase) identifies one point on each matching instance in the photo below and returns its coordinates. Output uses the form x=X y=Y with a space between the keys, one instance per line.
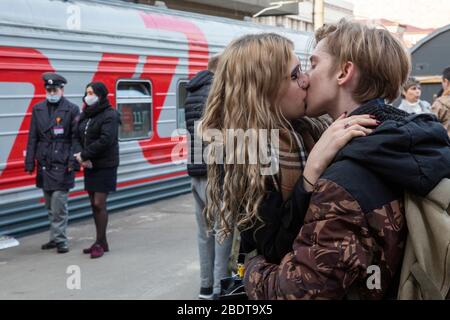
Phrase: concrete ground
x=153 y=255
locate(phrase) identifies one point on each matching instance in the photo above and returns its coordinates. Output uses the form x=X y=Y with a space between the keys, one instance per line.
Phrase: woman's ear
x=347 y=73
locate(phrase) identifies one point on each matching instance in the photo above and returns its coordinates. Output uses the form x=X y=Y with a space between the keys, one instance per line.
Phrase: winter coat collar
x=92 y=111
x=411 y=151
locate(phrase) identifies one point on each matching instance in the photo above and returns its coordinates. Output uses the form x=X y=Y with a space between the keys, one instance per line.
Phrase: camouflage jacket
x=335 y=247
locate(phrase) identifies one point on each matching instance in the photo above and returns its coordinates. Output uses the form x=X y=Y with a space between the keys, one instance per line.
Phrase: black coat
x=282 y=221
x=53 y=149
x=198 y=89
x=411 y=152
x=98 y=136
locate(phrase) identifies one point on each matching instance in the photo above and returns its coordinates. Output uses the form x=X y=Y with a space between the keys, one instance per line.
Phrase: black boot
x=63 y=248
x=48 y=245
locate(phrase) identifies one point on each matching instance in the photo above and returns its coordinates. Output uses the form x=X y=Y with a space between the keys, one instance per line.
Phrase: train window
x=134 y=102
x=181 y=98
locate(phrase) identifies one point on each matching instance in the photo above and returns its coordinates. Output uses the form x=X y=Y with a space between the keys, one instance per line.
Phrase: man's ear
x=347 y=73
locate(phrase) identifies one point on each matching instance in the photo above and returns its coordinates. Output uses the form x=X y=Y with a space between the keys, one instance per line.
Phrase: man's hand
x=78 y=157
x=87 y=164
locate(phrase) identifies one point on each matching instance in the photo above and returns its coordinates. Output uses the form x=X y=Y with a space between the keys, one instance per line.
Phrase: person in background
x=51 y=144
x=213 y=255
x=438 y=94
x=98 y=134
x=411 y=102
x=441 y=107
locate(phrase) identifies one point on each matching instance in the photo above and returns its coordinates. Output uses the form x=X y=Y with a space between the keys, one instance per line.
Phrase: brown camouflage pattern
x=333 y=250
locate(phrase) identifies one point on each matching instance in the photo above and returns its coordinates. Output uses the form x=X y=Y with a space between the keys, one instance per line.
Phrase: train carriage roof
x=115 y=18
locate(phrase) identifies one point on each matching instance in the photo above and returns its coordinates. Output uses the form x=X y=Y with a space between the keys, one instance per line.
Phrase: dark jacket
x=198 y=89
x=356 y=216
x=283 y=209
x=282 y=221
x=52 y=145
x=98 y=134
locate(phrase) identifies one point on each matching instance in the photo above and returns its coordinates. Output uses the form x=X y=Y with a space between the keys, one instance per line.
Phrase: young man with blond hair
x=352 y=241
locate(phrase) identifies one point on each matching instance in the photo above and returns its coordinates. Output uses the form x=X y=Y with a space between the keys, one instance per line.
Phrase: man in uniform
x=52 y=141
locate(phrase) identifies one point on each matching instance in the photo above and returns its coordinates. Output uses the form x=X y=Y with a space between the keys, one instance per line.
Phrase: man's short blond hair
x=383 y=62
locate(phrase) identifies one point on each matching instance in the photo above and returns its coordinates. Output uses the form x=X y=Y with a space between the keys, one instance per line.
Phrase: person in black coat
x=213 y=255
x=98 y=134
x=51 y=144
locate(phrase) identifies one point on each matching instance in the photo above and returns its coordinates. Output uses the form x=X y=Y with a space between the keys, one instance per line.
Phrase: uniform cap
x=52 y=80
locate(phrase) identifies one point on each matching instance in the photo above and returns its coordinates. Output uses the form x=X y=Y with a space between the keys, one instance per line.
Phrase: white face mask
x=53 y=98
x=91 y=100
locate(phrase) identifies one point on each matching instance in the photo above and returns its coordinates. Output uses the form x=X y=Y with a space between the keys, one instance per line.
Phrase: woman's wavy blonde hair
x=251 y=76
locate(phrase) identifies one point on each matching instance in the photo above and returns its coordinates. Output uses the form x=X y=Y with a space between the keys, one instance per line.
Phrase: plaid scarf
x=294 y=147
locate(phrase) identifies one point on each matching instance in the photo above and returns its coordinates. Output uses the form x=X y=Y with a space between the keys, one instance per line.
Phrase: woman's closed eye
x=295 y=74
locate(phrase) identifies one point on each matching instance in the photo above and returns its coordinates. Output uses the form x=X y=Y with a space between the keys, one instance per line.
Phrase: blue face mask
x=53 y=98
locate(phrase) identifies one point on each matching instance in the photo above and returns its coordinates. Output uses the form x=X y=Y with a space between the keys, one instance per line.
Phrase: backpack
x=425 y=273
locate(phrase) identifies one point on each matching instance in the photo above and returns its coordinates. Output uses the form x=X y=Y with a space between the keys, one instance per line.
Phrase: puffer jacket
x=198 y=89
x=355 y=218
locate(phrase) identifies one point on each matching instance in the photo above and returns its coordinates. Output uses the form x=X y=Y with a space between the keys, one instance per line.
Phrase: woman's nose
x=304 y=81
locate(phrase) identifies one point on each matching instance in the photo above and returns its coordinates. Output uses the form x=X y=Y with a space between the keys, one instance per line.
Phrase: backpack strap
x=427 y=287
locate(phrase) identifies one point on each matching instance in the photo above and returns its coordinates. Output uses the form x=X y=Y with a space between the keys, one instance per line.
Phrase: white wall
x=334 y=11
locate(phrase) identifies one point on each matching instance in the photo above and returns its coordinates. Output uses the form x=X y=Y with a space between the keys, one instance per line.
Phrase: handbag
x=232 y=288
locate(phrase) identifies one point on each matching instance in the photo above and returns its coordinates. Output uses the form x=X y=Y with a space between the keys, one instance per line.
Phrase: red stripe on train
x=21 y=65
x=197 y=43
